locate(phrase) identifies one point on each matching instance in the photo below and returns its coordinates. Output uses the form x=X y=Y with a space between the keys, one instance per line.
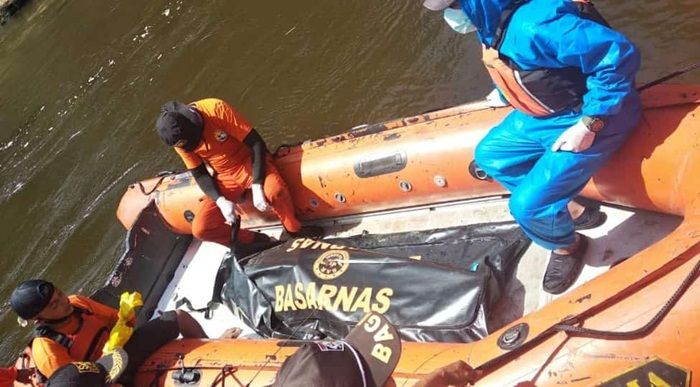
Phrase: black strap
x=95 y=341
x=235 y=229
x=221 y=276
x=60 y=338
x=188 y=304
x=586 y=10
x=506 y=15
x=45 y=330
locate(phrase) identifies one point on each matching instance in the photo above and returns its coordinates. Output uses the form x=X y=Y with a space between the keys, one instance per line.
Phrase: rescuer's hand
x=575 y=139
x=226 y=207
x=495 y=99
x=259 y=198
x=231 y=333
x=457 y=373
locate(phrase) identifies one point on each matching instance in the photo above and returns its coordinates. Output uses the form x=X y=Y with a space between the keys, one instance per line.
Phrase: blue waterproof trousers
x=517 y=153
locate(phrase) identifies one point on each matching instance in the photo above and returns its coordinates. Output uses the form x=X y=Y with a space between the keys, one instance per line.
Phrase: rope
x=155 y=187
x=226 y=371
x=572 y=330
x=579 y=331
x=279 y=347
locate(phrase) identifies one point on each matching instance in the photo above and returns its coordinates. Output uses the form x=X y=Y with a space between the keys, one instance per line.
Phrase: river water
x=81 y=83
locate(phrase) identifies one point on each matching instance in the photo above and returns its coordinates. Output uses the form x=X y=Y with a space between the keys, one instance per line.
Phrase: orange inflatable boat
x=636 y=324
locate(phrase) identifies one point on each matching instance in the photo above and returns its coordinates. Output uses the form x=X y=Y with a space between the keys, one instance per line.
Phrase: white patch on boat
x=194 y=279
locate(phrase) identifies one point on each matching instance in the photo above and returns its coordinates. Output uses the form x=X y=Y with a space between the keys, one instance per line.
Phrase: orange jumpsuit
x=223 y=149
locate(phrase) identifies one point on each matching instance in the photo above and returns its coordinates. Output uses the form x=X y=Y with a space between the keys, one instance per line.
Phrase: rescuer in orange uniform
x=210 y=131
x=75 y=328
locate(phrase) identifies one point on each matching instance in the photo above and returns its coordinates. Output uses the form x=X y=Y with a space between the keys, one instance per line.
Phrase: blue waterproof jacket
x=551 y=34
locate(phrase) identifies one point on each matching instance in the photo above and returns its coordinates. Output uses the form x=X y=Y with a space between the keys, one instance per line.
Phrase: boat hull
x=426 y=159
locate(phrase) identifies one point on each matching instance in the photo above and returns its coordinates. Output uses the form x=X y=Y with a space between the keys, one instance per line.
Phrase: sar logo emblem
x=331 y=264
x=85 y=366
x=331 y=346
x=221 y=136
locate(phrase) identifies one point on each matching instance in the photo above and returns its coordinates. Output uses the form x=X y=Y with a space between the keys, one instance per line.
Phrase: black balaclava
x=180 y=125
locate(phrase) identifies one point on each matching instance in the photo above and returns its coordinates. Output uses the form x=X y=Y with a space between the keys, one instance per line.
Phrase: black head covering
x=366 y=358
x=180 y=125
x=102 y=372
x=31 y=297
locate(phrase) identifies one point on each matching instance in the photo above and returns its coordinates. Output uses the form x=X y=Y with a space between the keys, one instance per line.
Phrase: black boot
x=313 y=232
x=563 y=269
x=591 y=217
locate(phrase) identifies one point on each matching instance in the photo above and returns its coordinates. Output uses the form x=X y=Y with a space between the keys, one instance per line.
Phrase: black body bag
x=436 y=285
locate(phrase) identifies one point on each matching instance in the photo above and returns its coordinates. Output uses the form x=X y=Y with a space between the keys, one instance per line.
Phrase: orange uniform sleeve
x=190 y=159
x=227 y=118
x=49 y=356
x=8 y=376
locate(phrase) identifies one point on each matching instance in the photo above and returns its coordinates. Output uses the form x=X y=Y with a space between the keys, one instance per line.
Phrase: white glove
x=226 y=207
x=259 y=198
x=575 y=139
x=494 y=99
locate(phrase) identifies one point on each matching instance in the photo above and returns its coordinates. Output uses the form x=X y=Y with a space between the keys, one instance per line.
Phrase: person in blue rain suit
x=570 y=78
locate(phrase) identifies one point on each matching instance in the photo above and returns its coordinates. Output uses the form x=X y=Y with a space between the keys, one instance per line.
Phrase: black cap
x=31 y=297
x=180 y=125
x=104 y=371
x=366 y=357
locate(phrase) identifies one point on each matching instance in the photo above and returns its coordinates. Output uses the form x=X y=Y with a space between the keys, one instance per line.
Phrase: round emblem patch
x=220 y=135
x=331 y=264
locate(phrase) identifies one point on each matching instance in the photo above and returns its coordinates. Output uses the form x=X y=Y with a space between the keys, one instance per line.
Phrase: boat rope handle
x=572 y=329
x=579 y=331
x=226 y=371
x=155 y=187
x=279 y=347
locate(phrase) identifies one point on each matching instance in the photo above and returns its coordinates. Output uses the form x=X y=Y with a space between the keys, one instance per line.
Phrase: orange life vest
x=539 y=92
x=86 y=342
x=86 y=332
